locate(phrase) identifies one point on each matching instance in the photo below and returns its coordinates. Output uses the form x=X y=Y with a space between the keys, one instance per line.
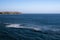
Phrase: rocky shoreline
x=10 y=12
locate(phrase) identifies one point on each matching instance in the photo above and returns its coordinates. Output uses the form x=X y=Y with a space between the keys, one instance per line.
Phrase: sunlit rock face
x=10 y=12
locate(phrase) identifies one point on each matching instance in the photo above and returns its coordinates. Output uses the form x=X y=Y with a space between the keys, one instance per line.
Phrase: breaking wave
x=35 y=27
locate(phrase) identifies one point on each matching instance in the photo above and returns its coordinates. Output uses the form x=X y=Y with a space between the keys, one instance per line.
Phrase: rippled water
x=30 y=27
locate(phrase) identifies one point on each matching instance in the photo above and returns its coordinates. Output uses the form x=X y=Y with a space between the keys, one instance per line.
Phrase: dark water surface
x=30 y=27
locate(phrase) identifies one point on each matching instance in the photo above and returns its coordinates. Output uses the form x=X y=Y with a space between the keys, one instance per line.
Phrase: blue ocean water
x=30 y=27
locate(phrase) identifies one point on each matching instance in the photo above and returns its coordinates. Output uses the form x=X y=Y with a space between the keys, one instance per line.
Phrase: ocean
x=30 y=27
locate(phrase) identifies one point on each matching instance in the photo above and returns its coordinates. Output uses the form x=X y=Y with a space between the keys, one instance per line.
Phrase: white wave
x=13 y=25
x=18 y=26
x=36 y=27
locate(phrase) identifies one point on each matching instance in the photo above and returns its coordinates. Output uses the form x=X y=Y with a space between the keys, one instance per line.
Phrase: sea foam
x=13 y=25
x=19 y=26
x=36 y=27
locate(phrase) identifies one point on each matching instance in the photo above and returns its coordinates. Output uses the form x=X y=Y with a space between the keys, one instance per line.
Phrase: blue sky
x=31 y=6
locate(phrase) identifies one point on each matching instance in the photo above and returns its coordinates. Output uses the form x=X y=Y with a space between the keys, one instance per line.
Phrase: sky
x=31 y=6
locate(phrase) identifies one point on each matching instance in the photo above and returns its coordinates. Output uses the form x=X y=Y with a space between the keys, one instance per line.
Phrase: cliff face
x=10 y=12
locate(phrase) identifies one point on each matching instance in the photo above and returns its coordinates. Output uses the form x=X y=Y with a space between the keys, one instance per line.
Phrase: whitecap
x=35 y=27
x=19 y=26
x=13 y=25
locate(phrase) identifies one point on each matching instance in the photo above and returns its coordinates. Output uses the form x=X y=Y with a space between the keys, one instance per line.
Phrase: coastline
x=10 y=12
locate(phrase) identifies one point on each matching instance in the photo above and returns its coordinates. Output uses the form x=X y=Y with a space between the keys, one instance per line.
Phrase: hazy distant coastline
x=10 y=12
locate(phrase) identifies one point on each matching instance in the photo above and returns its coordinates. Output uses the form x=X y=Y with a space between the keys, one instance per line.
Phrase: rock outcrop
x=10 y=12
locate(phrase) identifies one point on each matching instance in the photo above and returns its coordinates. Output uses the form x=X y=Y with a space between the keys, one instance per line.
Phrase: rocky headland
x=10 y=12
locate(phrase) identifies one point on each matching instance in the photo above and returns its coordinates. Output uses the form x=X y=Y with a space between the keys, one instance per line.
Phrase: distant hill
x=10 y=12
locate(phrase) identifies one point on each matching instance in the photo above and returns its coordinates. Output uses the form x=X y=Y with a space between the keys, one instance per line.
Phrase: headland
x=8 y=12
